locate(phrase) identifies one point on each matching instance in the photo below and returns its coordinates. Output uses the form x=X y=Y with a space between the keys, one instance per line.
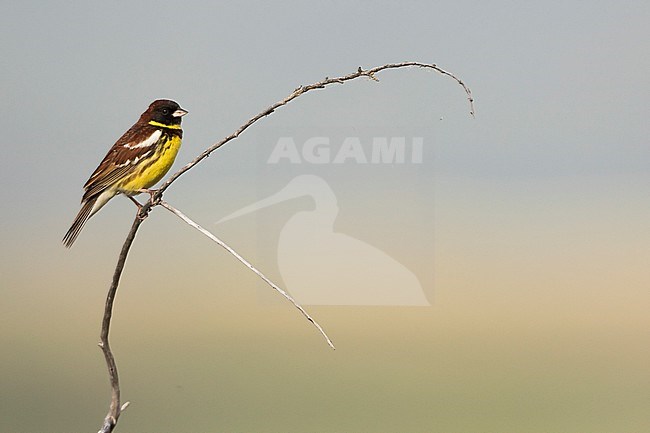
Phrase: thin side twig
x=246 y=263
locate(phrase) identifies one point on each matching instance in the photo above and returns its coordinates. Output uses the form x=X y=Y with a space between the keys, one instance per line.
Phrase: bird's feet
x=140 y=206
x=137 y=203
x=151 y=192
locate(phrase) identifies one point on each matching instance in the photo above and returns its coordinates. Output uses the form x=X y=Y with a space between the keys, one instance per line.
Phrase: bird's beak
x=179 y=113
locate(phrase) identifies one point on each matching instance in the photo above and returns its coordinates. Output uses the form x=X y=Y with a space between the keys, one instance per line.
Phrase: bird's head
x=165 y=112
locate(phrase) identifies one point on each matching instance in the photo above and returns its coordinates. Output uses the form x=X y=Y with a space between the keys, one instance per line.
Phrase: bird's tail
x=79 y=222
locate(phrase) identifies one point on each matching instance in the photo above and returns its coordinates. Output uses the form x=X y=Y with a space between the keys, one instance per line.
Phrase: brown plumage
x=138 y=160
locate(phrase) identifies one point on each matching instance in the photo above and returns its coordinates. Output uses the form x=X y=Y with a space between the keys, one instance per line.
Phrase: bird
x=321 y=266
x=136 y=162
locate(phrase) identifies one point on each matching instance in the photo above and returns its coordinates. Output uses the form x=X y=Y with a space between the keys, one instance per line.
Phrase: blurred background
x=527 y=227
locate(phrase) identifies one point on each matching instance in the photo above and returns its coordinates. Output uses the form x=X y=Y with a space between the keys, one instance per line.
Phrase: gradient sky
x=528 y=226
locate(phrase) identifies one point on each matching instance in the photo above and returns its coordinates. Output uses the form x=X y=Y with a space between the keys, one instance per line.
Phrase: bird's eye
x=165 y=111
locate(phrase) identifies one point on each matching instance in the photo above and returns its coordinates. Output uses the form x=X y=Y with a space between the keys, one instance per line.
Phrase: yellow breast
x=152 y=169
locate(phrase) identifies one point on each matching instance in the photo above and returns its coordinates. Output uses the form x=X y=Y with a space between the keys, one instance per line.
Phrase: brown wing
x=138 y=142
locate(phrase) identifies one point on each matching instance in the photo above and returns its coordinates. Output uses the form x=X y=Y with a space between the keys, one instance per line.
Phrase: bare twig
x=246 y=263
x=370 y=73
x=115 y=409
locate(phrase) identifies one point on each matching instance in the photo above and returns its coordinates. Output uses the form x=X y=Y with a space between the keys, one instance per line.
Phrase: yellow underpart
x=162 y=125
x=152 y=169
